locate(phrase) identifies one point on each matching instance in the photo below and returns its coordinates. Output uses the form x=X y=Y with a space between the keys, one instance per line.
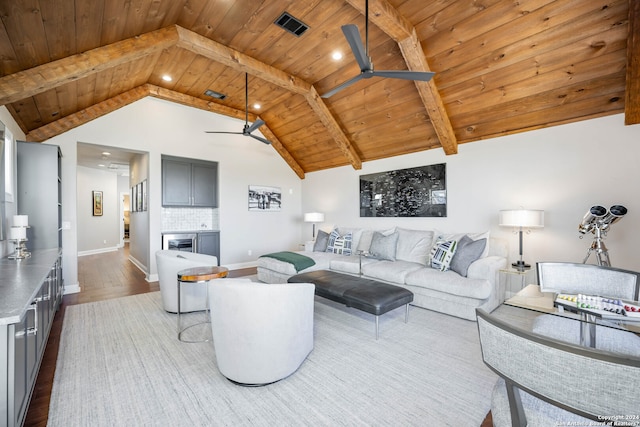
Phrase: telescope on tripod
x=597 y=221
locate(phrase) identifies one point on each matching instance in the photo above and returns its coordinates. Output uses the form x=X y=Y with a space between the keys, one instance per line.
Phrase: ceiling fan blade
x=343 y=85
x=266 y=141
x=353 y=38
x=423 y=76
x=255 y=125
x=228 y=133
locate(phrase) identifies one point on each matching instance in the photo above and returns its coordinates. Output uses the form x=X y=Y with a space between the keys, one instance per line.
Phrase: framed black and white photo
x=413 y=192
x=264 y=198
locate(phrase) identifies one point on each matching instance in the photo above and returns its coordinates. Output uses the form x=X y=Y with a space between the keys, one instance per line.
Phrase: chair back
x=261 y=332
x=566 y=277
x=581 y=380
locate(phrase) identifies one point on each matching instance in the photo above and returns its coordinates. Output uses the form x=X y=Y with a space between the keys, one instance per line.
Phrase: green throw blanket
x=300 y=262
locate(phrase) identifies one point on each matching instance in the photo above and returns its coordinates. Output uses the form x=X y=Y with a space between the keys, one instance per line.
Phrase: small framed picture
x=264 y=198
x=97 y=203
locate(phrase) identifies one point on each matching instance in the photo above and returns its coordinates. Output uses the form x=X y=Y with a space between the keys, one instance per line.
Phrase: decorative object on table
x=18 y=234
x=597 y=221
x=413 y=192
x=314 y=218
x=264 y=198
x=97 y=203
x=521 y=219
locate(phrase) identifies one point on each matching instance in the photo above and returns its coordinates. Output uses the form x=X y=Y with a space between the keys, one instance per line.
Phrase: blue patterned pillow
x=442 y=253
x=340 y=244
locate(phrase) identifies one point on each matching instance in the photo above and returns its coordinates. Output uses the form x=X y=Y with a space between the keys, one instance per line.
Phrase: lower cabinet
x=209 y=243
x=22 y=347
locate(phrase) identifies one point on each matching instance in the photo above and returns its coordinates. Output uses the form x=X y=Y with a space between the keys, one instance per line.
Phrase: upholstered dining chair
x=574 y=278
x=192 y=297
x=544 y=381
x=261 y=332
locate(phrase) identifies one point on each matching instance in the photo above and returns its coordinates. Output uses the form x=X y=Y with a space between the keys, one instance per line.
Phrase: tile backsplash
x=189 y=219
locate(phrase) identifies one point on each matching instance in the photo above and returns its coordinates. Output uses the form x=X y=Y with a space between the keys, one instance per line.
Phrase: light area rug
x=120 y=364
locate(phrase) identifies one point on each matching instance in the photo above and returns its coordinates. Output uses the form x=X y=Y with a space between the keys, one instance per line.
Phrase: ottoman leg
x=377 y=326
x=406 y=314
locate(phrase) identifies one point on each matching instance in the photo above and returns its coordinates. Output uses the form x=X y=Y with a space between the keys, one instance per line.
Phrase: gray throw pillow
x=322 y=240
x=383 y=247
x=468 y=251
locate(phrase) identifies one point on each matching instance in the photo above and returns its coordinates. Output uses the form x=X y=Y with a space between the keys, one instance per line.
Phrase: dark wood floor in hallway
x=101 y=277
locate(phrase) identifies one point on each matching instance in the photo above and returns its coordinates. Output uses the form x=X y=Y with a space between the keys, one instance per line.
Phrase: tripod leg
x=584 y=261
x=603 y=259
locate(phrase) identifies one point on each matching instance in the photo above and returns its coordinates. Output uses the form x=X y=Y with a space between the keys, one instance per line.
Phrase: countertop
x=20 y=281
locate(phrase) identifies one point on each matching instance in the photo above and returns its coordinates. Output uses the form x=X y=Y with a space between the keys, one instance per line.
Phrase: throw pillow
x=322 y=241
x=383 y=247
x=442 y=253
x=468 y=251
x=340 y=244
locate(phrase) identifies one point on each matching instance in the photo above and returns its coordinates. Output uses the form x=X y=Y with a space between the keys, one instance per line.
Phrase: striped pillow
x=340 y=244
x=442 y=253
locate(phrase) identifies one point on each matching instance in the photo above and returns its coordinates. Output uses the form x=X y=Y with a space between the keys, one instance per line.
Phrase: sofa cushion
x=322 y=241
x=383 y=247
x=350 y=264
x=390 y=271
x=467 y=251
x=340 y=243
x=414 y=245
x=356 y=234
x=442 y=253
x=322 y=260
x=449 y=282
x=474 y=236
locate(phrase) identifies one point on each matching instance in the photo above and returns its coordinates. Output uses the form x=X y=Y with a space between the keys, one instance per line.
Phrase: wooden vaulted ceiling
x=502 y=67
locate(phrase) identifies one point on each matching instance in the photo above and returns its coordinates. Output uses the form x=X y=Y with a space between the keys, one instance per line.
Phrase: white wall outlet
x=104 y=241
x=249 y=252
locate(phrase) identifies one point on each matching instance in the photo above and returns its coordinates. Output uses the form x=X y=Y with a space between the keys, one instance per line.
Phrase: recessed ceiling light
x=101 y=165
x=166 y=78
x=336 y=55
x=257 y=106
x=106 y=153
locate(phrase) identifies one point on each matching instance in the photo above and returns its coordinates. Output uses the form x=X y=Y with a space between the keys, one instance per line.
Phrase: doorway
x=124 y=218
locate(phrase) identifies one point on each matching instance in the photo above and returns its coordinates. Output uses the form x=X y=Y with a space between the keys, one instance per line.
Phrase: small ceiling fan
x=364 y=60
x=246 y=131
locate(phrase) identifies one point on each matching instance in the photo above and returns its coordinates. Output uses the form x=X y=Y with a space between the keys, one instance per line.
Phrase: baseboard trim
x=73 y=289
x=97 y=251
x=241 y=265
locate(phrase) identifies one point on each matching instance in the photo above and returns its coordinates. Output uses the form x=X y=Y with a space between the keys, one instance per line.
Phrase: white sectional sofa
x=404 y=257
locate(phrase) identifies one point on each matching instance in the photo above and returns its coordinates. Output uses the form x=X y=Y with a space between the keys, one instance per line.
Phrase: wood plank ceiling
x=502 y=67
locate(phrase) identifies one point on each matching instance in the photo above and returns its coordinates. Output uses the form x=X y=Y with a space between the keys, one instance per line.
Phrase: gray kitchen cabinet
x=25 y=323
x=209 y=243
x=39 y=194
x=189 y=183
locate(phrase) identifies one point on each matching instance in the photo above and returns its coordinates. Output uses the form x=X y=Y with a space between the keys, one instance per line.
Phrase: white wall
x=159 y=127
x=563 y=170
x=99 y=233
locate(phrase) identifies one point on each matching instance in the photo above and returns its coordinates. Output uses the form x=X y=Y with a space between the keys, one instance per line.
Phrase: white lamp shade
x=527 y=218
x=314 y=217
x=21 y=220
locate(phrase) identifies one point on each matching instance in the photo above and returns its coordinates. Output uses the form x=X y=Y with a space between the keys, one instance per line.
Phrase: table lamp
x=522 y=219
x=314 y=217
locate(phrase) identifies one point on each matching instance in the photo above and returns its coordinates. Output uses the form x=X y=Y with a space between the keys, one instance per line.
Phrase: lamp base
x=520 y=265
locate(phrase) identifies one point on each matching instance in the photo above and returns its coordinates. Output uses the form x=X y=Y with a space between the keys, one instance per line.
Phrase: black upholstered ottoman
x=367 y=295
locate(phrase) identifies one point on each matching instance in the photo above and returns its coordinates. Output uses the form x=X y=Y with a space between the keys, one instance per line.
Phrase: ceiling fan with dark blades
x=247 y=130
x=364 y=60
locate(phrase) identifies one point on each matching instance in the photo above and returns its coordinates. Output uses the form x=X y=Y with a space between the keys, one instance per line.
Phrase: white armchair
x=261 y=333
x=193 y=296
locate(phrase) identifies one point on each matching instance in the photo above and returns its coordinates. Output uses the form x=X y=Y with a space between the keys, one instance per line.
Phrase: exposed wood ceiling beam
x=632 y=93
x=36 y=80
x=98 y=110
x=48 y=76
x=231 y=58
x=396 y=26
x=180 y=98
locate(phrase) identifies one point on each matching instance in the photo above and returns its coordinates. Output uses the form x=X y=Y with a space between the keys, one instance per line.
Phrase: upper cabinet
x=188 y=182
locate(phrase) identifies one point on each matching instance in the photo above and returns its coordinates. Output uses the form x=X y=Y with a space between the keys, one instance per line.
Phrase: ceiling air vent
x=291 y=24
x=214 y=94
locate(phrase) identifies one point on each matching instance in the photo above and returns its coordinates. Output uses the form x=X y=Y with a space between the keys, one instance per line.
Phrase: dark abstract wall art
x=413 y=192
